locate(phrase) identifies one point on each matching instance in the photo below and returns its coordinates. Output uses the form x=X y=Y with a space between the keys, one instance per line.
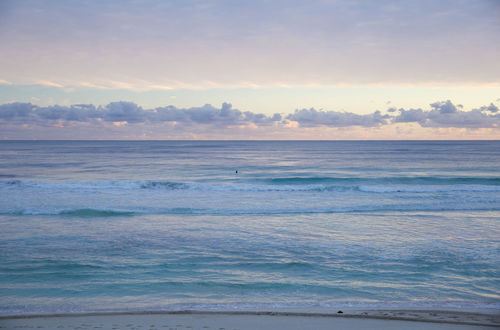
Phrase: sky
x=261 y=69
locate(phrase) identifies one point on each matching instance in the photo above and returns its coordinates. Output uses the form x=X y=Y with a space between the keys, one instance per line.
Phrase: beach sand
x=191 y=320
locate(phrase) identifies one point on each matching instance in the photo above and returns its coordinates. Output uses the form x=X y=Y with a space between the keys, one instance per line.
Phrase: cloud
x=48 y=83
x=123 y=111
x=491 y=108
x=446 y=114
x=312 y=118
x=14 y=111
x=445 y=107
x=440 y=115
x=150 y=40
x=131 y=113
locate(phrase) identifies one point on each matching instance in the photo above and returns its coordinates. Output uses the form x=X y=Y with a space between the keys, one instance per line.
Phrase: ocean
x=94 y=226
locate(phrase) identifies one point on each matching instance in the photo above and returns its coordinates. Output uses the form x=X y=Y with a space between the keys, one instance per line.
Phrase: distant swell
x=12 y=182
x=163 y=185
x=432 y=180
x=83 y=212
x=97 y=213
x=426 y=188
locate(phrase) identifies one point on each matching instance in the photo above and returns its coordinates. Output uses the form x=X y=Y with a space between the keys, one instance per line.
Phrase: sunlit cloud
x=48 y=83
x=143 y=86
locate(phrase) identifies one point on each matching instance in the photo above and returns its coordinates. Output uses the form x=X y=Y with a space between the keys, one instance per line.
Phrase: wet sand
x=191 y=320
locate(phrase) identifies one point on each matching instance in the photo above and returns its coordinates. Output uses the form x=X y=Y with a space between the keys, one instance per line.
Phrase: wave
x=95 y=213
x=79 y=212
x=292 y=184
x=426 y=189
x=437 y=180
x=12 y=182
x=107 y=212
x=163 y=185
x=100 y=213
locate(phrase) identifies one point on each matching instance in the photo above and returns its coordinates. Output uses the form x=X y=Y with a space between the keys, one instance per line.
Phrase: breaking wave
x=312 y=184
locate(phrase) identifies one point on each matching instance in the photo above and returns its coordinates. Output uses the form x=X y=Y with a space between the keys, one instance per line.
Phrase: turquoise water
x=166 y=225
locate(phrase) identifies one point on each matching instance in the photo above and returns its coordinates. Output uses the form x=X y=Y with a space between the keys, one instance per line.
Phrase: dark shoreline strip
x=346 y=314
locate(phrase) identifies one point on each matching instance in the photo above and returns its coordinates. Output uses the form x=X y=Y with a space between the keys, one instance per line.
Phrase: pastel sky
x=260 y=69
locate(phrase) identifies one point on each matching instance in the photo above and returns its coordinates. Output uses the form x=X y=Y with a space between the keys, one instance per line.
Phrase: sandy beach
x=191 y=320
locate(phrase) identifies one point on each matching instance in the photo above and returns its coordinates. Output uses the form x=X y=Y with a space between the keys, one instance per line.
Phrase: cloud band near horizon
x=439 y=115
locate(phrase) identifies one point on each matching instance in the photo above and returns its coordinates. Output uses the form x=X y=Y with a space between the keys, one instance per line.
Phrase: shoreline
x=446 y=317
